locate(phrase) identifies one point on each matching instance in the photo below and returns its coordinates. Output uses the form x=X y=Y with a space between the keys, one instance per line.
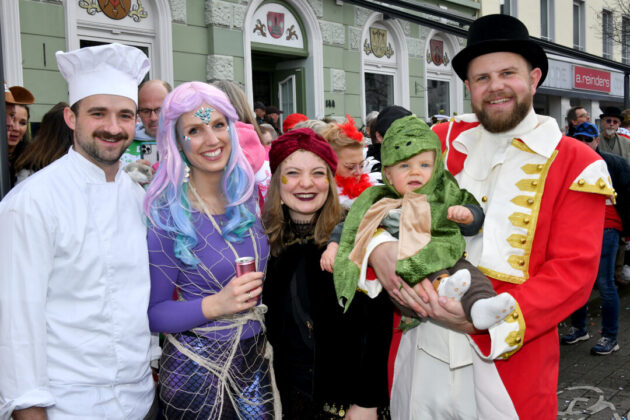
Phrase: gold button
x=523 y=241
x=530 y=201
x=615 y=194
x=465 y=254
x=534 y=183
x=581 y=182
x=518 y=339
x=484 y=198
x=515 y=315
x=526 y=220
x=602 y=184
x=540 y=167
x=521 y=263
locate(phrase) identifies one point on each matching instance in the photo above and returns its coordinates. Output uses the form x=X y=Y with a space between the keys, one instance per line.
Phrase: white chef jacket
x=74 y=293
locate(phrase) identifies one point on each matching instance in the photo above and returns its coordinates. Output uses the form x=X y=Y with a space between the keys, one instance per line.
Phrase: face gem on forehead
x=204 y=114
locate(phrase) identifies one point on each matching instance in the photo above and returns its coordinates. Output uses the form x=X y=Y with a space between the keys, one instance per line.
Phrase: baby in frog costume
x=422 y=205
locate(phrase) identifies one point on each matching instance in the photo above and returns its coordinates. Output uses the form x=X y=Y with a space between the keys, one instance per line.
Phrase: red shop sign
x=591 y=79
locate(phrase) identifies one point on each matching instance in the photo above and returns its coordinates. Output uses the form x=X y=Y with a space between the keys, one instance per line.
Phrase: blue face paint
x=204 y=114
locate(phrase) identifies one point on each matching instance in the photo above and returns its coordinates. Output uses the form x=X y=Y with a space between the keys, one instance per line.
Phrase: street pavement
x=596 y=387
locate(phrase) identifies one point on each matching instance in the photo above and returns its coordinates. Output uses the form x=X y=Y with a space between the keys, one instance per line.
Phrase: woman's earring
x=186 y=173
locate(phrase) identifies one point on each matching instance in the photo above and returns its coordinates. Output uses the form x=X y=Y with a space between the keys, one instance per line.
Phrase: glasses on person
x=585 y=115
x=146 y=112
x=612 y=121
x=354 y=167
x=585 y=139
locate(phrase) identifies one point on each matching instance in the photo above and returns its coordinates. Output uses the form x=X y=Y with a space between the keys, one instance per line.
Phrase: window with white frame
x=607 y=33
x=578 y=25
x=383 y=62
x=547 y=19
x=625 y=39
x=508 y=7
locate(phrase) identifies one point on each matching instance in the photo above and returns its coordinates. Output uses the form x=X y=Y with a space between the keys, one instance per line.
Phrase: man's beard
x=501 y=124
x=610 y=132
x=101 y=156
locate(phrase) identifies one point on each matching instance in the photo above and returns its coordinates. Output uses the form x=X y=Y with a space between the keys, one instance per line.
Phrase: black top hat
x=611 y=111
x=499 y=33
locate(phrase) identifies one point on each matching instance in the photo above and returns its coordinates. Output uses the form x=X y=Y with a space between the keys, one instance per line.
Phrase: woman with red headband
x=317 y=354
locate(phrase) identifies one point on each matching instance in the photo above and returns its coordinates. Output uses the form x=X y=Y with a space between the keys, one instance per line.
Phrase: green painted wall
x=43 y=33
x=42 y=30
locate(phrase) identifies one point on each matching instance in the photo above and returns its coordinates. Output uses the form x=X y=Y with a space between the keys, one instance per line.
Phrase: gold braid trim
x=599 y=187
x=515 y=338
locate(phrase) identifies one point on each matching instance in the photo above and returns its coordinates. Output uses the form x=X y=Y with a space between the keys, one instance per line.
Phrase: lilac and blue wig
x=166 y=204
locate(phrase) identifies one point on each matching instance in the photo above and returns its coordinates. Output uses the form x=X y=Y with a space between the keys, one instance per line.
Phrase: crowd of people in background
x=176 y=253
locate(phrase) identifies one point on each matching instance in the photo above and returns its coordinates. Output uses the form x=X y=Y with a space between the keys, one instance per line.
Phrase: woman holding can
x=215 y=360
x=318 y=357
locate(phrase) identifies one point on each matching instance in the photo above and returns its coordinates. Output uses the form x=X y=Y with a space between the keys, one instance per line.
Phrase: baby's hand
x=328 y=257
x=460 y=214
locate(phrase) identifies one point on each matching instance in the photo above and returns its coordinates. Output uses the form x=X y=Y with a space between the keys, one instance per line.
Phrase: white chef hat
x=112 y=69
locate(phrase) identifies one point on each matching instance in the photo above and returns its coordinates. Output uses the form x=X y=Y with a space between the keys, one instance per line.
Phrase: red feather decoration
x=350 y=129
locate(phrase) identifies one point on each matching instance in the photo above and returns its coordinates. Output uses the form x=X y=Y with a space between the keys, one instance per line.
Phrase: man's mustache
x=108 y=135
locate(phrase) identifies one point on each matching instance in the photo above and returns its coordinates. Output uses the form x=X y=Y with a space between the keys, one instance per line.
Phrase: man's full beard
x=610 y=132
x=502 y=124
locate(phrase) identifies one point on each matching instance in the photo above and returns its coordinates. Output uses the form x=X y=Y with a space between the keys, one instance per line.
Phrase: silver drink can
x=245 y=265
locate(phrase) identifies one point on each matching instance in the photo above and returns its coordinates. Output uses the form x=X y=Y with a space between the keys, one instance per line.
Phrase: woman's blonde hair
x=278 y=228
x=336 y=137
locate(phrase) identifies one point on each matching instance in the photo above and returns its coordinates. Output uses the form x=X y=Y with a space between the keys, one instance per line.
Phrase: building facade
x=323 y=58
x=583 y=26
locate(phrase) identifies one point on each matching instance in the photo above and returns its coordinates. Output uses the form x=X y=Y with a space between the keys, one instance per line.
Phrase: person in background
x=52 y=141
x=259 y=110
x=74 y=269
x=380 y=125
x=576 y=115
x=249 y=137
x=611 y=141
x=268 y=134
x=624 y=127
x=317 y=126
x=617 y=221
x=150 y=96
x=347 y=142
x=272 y=115
x=292 y=119
x=16 y=99
x=215 y=361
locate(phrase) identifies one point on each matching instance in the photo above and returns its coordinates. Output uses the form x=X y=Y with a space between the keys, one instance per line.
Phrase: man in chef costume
x=74 y=271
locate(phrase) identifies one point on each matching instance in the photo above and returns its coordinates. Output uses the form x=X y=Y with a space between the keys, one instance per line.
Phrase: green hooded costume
x=405 y=138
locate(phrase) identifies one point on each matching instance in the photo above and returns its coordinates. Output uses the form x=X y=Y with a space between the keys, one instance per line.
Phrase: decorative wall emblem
x=260 y=28
x=275 y=24
x=436 y=53
x=115 y=9
x=378 y=44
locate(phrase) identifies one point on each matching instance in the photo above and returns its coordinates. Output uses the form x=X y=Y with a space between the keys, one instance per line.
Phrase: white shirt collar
x=540 y=133
x=91 y=172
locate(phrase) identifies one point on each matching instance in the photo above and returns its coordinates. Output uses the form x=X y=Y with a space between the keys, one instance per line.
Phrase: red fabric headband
x=301 y=139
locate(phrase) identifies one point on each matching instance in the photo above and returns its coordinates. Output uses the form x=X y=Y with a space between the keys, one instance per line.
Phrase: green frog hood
x=407 y=137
